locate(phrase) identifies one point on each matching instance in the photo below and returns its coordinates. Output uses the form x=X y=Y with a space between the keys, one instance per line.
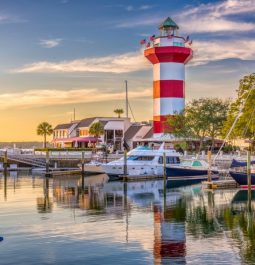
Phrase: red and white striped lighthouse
x=168 y=53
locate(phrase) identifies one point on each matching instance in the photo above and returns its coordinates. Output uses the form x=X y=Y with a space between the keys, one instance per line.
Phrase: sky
x=57 y=55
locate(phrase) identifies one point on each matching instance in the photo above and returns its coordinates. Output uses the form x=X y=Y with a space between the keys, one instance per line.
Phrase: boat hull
x=241 y=179
x=180 y=181
x=180 y=171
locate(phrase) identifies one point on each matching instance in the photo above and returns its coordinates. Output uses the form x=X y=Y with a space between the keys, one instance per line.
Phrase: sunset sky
x=59 y=54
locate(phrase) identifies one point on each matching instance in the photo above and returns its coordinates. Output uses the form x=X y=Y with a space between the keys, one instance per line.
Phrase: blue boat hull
x=175 y=182
x=241 y=178
x=174 y=171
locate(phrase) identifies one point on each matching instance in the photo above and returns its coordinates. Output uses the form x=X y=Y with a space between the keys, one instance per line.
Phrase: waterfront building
x=168 y=52
x=76 y=133
x=137 y=132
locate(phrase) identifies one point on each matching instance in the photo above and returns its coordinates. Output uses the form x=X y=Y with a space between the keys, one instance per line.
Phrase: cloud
x=8 y=19
x=206 y=51
x=142 y=7
x=216 y=17
x=123 y=63
x=50 y=43
x=38 y=98
x=205 y=17
x=145 y=7
x=129 y=8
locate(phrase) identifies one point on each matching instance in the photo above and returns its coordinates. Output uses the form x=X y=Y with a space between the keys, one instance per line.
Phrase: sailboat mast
x=126 y=98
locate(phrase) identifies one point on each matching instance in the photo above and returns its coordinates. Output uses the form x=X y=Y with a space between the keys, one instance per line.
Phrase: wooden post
x=164 y=176
x=5 y=161
x=83 y=162
x=249 y=178
x=47 y=162
x=209 y=157
x=82 y=171
x=125 y=166
x=5 y=184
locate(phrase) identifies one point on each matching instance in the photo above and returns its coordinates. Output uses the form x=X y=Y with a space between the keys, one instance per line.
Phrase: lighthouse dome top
x=168 y=24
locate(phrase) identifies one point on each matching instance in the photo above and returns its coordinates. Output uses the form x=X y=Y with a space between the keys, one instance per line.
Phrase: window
x=169 y=160
x=180 y=44
x=84 y=132
x=118 y=133
x=197 y=164
x=141 y=158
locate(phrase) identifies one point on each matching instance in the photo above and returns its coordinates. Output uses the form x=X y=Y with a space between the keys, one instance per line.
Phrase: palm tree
x=119 y=112
x=44 y=129
x=96 y=129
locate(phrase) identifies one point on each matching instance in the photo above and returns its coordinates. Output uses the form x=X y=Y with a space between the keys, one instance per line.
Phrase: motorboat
x=143 y=161
x=193 y=167
x=238 y=171
x=93 y=167
x=189 y=172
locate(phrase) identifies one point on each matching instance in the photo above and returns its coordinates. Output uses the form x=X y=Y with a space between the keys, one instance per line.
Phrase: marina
x=111 y=222
x=119 y=151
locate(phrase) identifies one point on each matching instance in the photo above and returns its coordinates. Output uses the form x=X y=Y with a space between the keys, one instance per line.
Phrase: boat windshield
x=186 y=163
x=189 y=163
x=140 y=158
x=197 y=163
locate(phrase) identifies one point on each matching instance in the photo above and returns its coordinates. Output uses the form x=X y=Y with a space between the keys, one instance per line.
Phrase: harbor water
x=64 y=220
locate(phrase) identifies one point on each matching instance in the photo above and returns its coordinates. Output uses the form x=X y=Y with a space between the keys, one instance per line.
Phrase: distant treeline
x=25 y=145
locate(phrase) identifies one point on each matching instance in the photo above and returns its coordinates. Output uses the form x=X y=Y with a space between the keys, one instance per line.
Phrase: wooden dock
x=141 y=177
x=63 y=173
x=220 y=184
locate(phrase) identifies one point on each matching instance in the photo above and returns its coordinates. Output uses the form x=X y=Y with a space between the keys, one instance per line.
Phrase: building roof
x=132 y=131
x=149 y=134
x=86 y=122
x=63 y=126
x=168 y=23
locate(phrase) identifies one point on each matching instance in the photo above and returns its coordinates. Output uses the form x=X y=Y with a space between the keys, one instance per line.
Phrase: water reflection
x=45 y=203
x=182 y=226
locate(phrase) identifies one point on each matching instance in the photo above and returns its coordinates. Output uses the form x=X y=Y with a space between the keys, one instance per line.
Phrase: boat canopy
x=236 y=163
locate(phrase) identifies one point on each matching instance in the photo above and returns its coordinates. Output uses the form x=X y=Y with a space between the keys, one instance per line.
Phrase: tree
x=118 y=112
x=44 y=129
x=177 y=125
x=96 y=129
x=202 y=117
x=245 y=126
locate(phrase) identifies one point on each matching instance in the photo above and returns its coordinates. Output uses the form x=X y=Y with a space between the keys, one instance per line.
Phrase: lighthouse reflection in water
x=70 y=220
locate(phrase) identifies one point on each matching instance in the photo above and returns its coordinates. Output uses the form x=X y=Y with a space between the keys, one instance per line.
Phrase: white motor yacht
x=143 y=161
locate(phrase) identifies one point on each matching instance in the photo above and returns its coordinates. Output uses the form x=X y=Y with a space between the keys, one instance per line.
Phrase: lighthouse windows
x=180 y=44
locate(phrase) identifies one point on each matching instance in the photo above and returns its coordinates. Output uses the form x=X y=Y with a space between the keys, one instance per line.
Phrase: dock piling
x=83 y=162
x=249 y=178
x=5 y=161
x=82 y=171
x=47 y=163
x=164 y=174
x=125 y=166
x=209 y=157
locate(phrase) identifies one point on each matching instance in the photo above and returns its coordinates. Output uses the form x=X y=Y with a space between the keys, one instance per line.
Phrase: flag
x=152 y=37
x=148 y=45
x=187 y=39
x=143 y=41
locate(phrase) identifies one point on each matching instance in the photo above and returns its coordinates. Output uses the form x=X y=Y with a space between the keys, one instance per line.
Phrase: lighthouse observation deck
x=163 y=41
